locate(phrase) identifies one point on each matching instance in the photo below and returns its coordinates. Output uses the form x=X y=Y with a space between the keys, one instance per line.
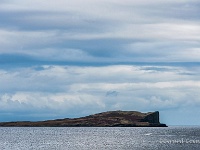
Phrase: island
x=104 y=119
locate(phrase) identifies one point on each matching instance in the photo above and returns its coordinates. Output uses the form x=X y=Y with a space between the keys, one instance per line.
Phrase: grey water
x=99 y=138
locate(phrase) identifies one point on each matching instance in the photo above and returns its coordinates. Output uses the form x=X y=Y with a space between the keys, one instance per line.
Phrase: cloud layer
x=60 y=91
x=73 y=58
x=101 y=30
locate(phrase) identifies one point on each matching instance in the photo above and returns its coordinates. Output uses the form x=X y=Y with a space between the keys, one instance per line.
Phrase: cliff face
x=152 y=118
x=105 y=119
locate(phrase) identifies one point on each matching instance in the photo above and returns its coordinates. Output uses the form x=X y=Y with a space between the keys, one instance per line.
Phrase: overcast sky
x=65 y=58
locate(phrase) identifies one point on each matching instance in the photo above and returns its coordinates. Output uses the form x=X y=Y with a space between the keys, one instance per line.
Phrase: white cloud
x=98 y=32
x=61 y=89
x=66 y=30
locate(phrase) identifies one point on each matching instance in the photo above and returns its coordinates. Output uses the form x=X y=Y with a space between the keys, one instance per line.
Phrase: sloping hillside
x=105 y=119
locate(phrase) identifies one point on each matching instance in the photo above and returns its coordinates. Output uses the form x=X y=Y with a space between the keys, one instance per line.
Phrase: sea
x=100 y=138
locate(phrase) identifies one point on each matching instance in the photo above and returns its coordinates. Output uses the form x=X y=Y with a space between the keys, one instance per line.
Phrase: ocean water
x=92 y=138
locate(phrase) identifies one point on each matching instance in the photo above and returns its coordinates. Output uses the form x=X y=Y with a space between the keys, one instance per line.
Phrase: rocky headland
x=104 y=119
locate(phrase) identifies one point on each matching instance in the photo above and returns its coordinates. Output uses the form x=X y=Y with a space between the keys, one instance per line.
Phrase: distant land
x=104 y=119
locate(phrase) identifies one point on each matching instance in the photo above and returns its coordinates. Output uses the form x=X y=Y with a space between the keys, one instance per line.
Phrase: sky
x=66 y=59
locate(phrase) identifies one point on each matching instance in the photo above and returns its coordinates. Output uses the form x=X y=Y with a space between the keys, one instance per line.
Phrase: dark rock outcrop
x=105 y=119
